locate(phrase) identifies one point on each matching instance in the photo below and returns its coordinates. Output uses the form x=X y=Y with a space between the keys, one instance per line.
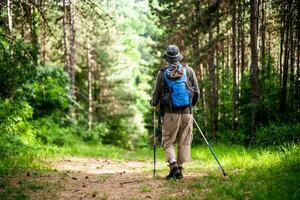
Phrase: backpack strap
x=188 y=73
x=166 y=95
x=165 y=89
x=165 y=85
x=189 y=84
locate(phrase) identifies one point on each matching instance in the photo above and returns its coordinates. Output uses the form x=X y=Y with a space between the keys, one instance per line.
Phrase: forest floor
x=100 y=172
x=92 y=178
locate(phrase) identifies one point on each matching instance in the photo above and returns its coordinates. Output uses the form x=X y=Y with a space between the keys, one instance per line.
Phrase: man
x=176 y=91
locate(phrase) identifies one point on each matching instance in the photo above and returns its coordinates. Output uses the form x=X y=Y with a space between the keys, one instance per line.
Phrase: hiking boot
x=179 y=175
x=174 y=172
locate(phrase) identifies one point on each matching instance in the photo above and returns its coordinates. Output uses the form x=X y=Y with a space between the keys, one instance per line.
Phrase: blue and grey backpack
x=180 y=89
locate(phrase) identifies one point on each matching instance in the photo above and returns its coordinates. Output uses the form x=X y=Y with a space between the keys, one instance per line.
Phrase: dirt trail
x=90 y=178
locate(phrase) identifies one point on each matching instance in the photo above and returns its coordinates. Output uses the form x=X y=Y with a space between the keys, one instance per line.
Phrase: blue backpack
x=180 y=90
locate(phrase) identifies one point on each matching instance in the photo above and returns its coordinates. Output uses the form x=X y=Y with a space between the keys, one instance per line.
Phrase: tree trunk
x=286 y=59
x=298 y=42
x=197 y=65
x=253 y=68
x=297 y=83
x=34 y=33
x=228 y=45
x=90 y=89
x=9 y=15
x=238 y=40
x=66 y=56
x=243 y=63
x=234 y=67
x=283 y=19
x=292 y=57
x=269 y=66
x=72 y=54
x=217 y=72
x=263 y=38
x=298 y=49
x=206 y=95
x=196 y=51
x=23 y=15
x=213 y=92
x=44 y=42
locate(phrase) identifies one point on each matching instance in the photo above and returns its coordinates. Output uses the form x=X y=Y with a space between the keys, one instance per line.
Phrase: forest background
x=82 y=72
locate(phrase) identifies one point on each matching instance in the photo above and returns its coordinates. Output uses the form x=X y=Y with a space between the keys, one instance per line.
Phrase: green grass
x=271 y=173
x=104 y=151
x=254 y=173
x=145 y=189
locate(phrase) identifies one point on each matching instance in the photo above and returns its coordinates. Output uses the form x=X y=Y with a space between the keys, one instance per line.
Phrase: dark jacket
x=160 y=88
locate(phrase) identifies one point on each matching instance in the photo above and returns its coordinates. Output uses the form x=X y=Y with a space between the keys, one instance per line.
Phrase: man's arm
x=195 y=86
x=158 y=89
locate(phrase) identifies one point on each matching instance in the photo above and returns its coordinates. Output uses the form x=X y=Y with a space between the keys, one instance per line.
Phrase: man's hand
x=152 y=103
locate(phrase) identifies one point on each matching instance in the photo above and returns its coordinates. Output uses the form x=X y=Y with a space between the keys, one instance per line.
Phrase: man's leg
x=184 y=140
x=171 y=122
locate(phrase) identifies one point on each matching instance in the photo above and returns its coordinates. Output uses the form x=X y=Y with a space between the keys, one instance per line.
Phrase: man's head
x=172 y=54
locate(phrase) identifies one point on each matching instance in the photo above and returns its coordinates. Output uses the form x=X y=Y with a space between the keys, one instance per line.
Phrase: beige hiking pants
x=177 y=128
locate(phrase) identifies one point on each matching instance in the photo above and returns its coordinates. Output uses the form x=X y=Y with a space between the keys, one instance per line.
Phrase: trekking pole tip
x=225 y=176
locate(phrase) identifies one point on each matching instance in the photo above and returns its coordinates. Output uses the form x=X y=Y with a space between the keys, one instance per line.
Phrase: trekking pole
x=213 y=153
x=154 y=145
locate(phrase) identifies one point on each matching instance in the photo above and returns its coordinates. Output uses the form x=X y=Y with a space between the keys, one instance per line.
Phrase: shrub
x=50 y=92
x=49 y=131
x=278 y=133
x=96 y=134
x=119 y=133
x=16 y=134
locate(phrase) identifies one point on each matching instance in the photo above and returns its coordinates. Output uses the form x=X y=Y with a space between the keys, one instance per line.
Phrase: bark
x=292 y=69
x=9 y=15
x=269 y=65
x=23 y=15
x=217 y=79
x=72 y=61
x=234 y=67
x=242 y=41
x=90 y=89
x=44 y=43
x=196 y=51
x=206 y=95
x=238 y=40
x=228 y=46
x=34 y=33
x=298 y=42
x=263 y=37
x=298 y=48
x=197 y=65
x=253 y=68
x=213 y=92
x=243 y=57
x=292 y=57
x=66 y=56
x=297 y=83
x=283 y=19
x=286 y=60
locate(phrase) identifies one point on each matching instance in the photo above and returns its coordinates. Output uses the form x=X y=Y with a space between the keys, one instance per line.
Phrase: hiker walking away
x=176 y=92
